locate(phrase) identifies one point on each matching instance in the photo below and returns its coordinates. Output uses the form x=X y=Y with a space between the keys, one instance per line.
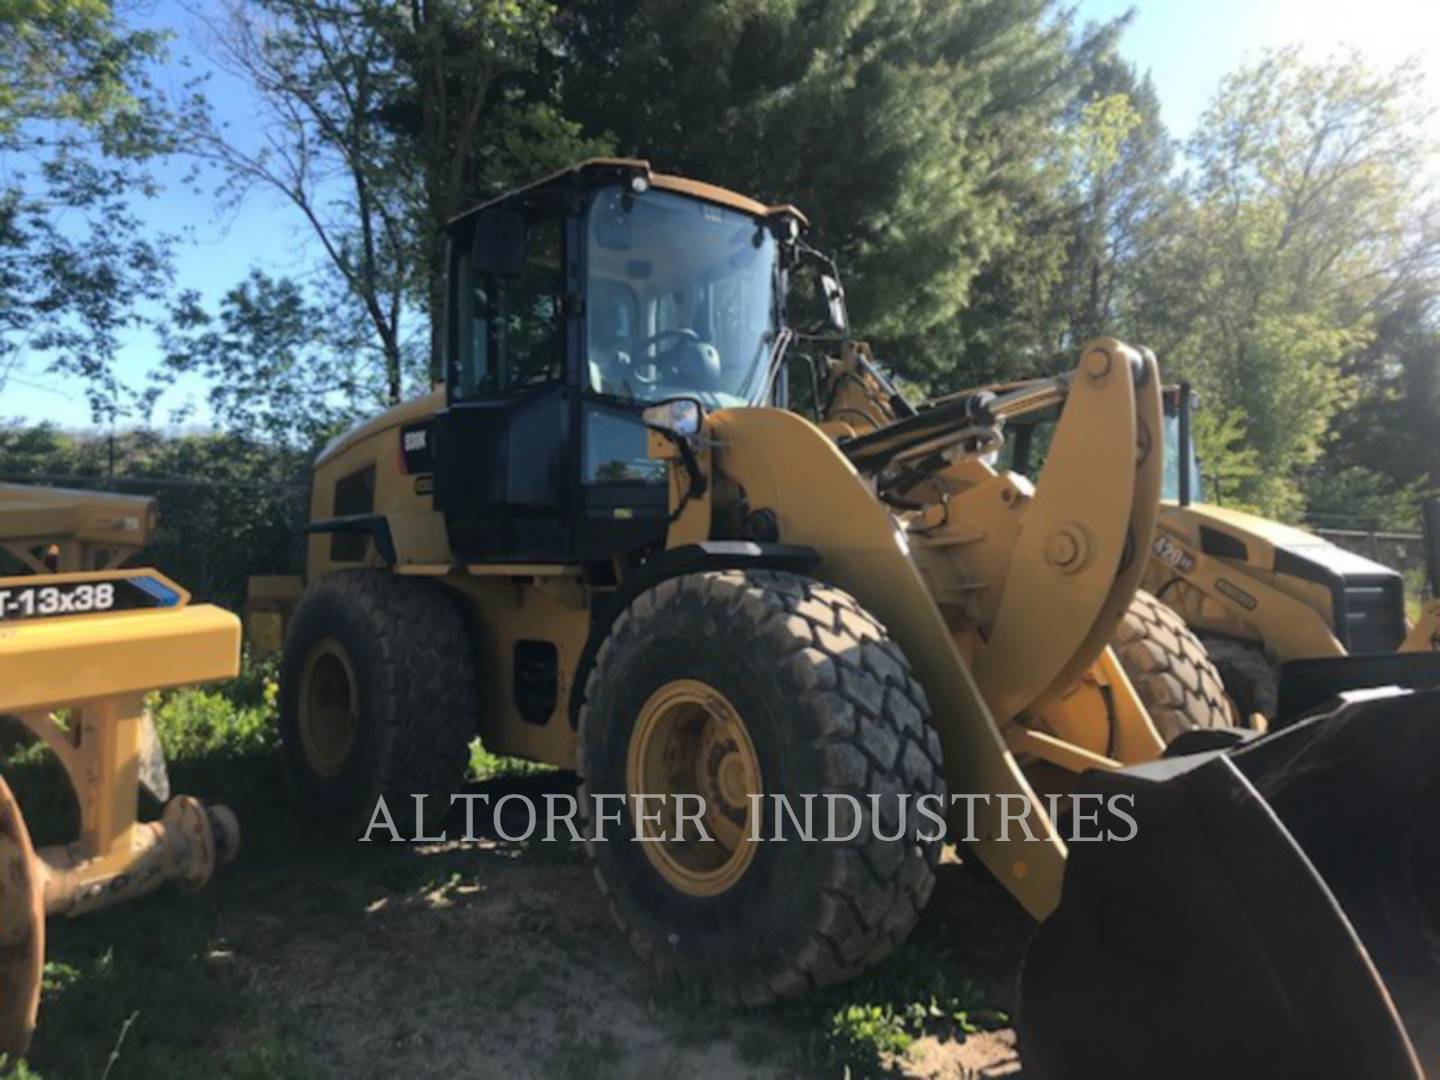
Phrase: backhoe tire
x=785 y=686
x=377 y=698
x=1170 y=669
x=1250 y=680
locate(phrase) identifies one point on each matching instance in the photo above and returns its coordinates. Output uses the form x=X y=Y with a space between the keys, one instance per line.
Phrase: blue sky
x=1186 y=45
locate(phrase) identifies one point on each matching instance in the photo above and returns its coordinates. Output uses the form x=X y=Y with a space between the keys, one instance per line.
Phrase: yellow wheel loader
x=79 y=649
x=607 y=543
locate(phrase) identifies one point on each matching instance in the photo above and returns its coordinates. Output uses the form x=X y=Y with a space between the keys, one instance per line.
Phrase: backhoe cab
x=607 y=544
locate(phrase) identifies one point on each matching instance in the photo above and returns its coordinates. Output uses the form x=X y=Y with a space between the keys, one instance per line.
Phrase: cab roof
x=601 y=169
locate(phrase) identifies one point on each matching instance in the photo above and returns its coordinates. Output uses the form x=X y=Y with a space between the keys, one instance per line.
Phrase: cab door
x=504 y=475
x=623 y=494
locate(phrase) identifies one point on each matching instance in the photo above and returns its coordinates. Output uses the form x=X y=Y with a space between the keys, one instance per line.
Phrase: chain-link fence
x=213 y=534
x=1402 y=551
x=1399 y=550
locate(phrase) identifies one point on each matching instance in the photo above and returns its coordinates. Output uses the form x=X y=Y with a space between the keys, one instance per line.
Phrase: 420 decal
x=1172 y=554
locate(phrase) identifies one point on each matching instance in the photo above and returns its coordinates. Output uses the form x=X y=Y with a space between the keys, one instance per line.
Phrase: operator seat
x=607 y=362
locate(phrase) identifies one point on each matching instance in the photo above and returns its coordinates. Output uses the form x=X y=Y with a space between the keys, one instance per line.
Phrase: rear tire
x=377 y=699
x=1249 y=678
x=1170 y=669
x=827 y=704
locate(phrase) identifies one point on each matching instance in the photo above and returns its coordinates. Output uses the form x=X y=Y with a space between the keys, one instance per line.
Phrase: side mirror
x=681 y=417
x=499 y=245
x=833 y=296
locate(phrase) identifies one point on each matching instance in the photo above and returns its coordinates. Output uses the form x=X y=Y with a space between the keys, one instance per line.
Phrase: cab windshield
x=681 y=299
x=1177 y=456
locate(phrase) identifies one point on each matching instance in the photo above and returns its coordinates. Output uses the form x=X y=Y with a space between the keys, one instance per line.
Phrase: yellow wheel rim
x=690 y=741
x=328 y=708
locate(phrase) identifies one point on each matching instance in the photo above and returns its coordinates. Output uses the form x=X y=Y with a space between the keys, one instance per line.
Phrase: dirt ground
x=505 y=963
x=483 y=959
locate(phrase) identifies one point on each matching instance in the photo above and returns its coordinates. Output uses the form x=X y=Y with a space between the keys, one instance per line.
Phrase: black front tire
x=399 y=647
x=830 y=705
x=1251 y=681
x=1170 y=669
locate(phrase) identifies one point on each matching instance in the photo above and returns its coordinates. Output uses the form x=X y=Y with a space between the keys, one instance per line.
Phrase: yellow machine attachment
x=78 y=652
x=56 y=529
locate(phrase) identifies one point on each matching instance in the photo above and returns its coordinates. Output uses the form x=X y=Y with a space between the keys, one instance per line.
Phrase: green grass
x=160 y=969
x=485 y=766
x=585 y=1059
x=863 y=1027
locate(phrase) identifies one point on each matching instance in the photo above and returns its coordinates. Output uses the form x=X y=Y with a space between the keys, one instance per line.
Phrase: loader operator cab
x=574 y=305
x=1180 y=479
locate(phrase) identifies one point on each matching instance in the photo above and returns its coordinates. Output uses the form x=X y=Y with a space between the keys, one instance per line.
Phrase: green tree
x=911 y=132
x=382 y=121
x=320 y=75
x=280 y=365
x=1382 y=455
x=476 y=112
x=1069 y=275
x=78 y=121
x=1304 y=217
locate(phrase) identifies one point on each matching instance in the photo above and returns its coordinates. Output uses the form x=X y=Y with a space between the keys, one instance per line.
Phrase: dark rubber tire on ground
x=1250 y=679
x=415 y=707
x=1170 y=669
x=830 y=705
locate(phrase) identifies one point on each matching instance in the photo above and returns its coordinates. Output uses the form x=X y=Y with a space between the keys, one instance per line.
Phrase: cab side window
x=508 y=330
x=532 y=335
x=478 y=374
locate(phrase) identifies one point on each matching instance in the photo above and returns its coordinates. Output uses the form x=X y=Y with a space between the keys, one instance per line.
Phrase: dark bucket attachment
x=1317 y=682
x=1276 y=914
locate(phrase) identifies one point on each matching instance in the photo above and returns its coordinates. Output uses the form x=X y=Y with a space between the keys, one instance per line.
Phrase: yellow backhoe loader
x=1261 y=595
x=607 y=542
x=81 y=643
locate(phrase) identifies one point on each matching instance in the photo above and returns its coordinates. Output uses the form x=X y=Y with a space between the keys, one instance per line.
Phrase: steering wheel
x=683 y=333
